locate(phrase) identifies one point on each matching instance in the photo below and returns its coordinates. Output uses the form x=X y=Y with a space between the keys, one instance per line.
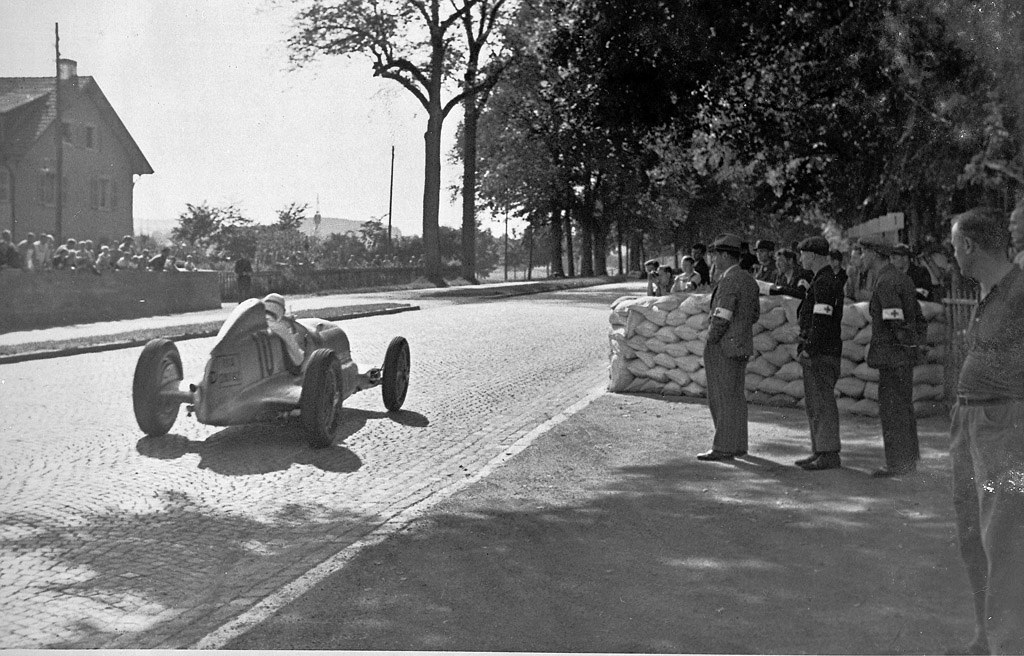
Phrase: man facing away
x=734 y=311
x=898 y=329
x=820 y=315
x=987 y=431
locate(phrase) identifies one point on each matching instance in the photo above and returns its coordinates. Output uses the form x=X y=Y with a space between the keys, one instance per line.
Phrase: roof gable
x=29 y=105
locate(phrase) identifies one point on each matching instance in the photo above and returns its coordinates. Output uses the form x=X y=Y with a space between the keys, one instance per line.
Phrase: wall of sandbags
x=657 y=346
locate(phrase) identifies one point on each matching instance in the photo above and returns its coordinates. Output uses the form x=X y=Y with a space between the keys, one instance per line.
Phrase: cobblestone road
x=113 y=540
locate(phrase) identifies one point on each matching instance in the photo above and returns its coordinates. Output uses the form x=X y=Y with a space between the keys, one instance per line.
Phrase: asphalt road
x=109 y=539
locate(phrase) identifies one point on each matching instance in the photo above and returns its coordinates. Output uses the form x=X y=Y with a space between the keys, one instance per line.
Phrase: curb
x=195 y=331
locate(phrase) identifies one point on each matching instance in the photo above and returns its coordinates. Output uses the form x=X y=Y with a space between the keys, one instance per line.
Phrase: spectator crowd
x=44 y=254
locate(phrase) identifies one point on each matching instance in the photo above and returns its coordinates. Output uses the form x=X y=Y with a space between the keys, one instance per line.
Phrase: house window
x=5 y=185
x=47 y=189
x=102 y=194
x=65 y=130
x=90 y=137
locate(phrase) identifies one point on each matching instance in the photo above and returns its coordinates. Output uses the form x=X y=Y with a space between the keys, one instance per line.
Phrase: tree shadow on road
x=610 y=537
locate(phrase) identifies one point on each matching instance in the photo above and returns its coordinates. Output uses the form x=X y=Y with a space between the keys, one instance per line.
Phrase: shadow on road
x=608 y=536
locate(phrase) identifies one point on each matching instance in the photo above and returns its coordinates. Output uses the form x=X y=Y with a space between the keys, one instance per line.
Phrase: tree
x=411 y=42
x=291 y=217
x=204 y=226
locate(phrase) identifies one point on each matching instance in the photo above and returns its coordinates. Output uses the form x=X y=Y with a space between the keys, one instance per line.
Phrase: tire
x=158 y=367
x=320 y=402
x=395 y=378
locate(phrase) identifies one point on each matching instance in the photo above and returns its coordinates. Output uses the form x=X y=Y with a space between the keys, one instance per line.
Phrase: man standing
x=791 y=279
x=734 y=311
x=698 y=252
x=987 y=431
x=821 y=347
x=898 y=329
x=903 y=259
x=764 y=270
x=243 y=274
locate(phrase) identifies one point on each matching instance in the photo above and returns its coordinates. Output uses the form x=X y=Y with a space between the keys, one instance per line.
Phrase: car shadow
x=252 y=449
x=354 y=419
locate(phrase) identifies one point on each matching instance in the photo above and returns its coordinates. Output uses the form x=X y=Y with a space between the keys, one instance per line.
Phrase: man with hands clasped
x=820 y=315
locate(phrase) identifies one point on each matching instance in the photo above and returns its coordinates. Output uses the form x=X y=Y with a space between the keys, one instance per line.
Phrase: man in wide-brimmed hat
x=734 y=311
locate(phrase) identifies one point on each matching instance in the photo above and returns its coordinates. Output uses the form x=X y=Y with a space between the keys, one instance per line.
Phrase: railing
x=303 y=280
x=960 y=307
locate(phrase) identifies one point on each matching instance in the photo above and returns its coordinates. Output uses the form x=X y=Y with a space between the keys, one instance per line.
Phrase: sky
x=206 y=90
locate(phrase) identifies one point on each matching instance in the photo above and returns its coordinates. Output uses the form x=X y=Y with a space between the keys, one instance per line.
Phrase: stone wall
x=43 y=299
x=657 y=346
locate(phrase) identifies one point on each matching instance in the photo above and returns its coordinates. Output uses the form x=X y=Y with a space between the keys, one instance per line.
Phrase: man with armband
x=730 y=343
x=898 y=329
x=820 y=315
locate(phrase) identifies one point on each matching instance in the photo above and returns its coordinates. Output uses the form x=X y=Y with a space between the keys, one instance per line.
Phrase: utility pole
x=391 y=196
x=506 y=241
x=58 y=184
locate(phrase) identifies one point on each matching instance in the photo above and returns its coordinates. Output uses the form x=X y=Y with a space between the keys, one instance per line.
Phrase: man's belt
x=973 y=402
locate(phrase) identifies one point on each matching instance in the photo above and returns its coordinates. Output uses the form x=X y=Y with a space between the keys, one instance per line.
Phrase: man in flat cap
x=820 y=315
x=734 y=311
x=897 y=332
x=903 y=259
x=765 y=270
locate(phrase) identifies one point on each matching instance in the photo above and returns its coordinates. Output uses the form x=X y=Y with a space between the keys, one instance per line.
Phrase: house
x=97 y=156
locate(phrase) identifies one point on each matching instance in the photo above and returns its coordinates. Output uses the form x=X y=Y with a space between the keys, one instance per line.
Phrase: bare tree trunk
x=432 y=191
x=558 y=271
x=469 y=130
x=570 y=260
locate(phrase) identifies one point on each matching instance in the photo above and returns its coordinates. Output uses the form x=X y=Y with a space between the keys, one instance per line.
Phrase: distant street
x=109 y=539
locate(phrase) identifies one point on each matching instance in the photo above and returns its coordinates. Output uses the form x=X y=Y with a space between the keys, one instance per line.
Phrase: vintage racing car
x=251 y=378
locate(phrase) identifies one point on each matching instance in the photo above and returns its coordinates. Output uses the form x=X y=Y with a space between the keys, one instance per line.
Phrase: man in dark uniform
x=903 y=259
x=898 y=330
x=987 y=431
x=765 y=268
x=730 y=343
x=821 y=348
x=791 y=279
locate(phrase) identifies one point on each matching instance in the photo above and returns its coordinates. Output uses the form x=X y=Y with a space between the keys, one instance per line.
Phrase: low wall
x=45 y=299
x=657 y=346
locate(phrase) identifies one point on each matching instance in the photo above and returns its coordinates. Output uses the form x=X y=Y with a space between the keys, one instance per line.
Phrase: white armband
x=803 y=283
x=823 y=308
x=722 y=313
x=892 y=314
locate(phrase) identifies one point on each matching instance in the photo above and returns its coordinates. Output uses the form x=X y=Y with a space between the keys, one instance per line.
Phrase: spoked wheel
x=395 y=379
x=320 y=403
x=158 y=369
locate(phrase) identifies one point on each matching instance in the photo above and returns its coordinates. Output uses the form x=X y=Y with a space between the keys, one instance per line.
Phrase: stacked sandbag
x=657 y=346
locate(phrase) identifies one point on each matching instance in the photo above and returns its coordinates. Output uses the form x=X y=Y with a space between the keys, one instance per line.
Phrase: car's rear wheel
x=320 y=402
x=158 y=369
x=395 y=377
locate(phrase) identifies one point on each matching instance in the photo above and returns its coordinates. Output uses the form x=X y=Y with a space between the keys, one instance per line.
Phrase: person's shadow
x=254 y=449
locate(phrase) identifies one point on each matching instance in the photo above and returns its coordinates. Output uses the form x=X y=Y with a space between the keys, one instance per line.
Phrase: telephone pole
x=391 y=196
x=58 y=184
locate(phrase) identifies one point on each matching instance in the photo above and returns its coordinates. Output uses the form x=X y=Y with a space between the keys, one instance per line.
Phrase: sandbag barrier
x=657 y=346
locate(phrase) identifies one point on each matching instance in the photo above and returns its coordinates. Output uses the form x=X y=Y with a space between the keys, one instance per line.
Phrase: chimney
x=68 y=70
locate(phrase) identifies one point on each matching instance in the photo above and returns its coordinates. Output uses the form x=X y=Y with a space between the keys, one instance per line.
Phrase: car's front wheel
x=158 y=370
x=395 y=378
x=320 y=402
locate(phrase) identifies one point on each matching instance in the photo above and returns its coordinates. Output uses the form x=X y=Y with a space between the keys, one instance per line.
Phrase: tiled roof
x=29 y=104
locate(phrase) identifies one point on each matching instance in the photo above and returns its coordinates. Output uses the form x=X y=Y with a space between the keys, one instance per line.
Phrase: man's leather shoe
x=715 y=455
x=808 y=460
x=829 y=460
x=889 y=472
